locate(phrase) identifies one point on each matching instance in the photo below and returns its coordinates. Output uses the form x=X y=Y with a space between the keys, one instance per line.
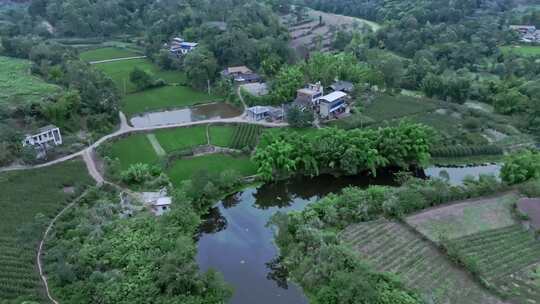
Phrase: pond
x=236 y=241
x=195 y=113
x=457 y=174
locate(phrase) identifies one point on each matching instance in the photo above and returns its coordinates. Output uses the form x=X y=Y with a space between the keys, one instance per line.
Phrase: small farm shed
x=531 y=208
x=258 y=113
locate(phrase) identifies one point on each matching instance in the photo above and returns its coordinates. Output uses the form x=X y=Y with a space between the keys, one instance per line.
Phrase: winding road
x=87 y=156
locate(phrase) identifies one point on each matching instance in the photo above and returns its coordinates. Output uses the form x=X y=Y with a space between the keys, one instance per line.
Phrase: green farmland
x=138 y=148
x=181 y=138
x=392 y=247
x=522 y=50
x=119 y=72
x=18 y=86
x=107 y=53
x=222 y=136
x=29 y=200
x=184 y=169
x=163 y=98
x=502 y=257
x=387 y=107
x=133 y=149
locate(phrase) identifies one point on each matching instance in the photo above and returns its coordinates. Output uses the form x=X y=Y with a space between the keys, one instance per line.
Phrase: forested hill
x=434 y=11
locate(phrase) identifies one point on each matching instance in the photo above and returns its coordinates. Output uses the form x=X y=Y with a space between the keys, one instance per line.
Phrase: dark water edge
x=236 y=241
x=190 y=114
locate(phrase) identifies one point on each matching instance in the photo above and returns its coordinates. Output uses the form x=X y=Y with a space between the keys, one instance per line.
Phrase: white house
x=257 y=113
x=334 y=103
x=44 y=136
x=181 y=47
x=161 y=205
x=158 y=202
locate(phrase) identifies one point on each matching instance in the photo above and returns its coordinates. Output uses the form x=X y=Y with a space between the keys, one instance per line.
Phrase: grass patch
x=181 y=138
x=133 y=149
x=119 y=72
x=458 y=220
x=106 y=53
x=386 y=107
x=162 y=98
x=25 y=194
x=522 y=50
x=18 y=86
x=183 y=169
x=221 y=136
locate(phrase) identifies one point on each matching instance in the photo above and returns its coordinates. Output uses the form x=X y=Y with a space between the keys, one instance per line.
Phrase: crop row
x=245 y=136
x=462 y=151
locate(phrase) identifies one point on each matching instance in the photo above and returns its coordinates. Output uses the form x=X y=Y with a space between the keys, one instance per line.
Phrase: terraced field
x=504 y=257
x=393 y=247
x=18 y=275
x=29 y=199
x=246 y=136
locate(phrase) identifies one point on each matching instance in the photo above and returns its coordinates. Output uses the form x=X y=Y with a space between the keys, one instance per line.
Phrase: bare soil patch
x=465 y=218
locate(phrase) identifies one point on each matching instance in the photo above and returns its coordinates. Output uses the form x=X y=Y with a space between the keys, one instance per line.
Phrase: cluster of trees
x=345 y=152
x=521 y=167
x=89 y=101
x=323 y=67
x=144 y=80
x=229 y=33
x=446 y=48
x=326 y=268
x=145 y=176
x=98 y=254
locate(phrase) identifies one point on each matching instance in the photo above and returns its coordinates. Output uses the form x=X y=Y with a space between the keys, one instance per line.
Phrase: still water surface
x=196 y=113
x=236 y=241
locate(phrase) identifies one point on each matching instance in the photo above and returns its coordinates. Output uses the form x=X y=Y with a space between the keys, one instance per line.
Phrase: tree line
x=332 y=150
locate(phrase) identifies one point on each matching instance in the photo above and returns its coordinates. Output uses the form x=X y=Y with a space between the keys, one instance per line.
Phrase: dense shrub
x=521 y=167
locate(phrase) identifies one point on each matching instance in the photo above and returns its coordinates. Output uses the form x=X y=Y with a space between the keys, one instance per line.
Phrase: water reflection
x=236 y=241
x=455 y=175
x=196 y=113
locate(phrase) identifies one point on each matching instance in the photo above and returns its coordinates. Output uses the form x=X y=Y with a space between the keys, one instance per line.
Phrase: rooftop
x=307 y=91
x=333 y=96
x=46 y=128
x=259 y=110
x=531 y=207
x=342 y=86
x=239 y=69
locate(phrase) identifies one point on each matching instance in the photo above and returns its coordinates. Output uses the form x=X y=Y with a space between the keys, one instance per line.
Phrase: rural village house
x=158 y=202
x=241 y=75
x=44 y=136
x=333 y=104
x=258 y=113
x=179 y=47
x=326 y=106
x=528 y=33
x=343 y=86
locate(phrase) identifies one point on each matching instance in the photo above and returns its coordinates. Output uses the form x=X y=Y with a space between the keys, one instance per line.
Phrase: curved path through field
x=87 y=156
x=117 y=59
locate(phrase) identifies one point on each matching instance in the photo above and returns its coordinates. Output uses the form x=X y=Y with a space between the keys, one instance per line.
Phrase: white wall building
x=45 y=136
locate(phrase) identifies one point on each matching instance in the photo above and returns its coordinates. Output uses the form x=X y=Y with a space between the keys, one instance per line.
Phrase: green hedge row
x=462 y=151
